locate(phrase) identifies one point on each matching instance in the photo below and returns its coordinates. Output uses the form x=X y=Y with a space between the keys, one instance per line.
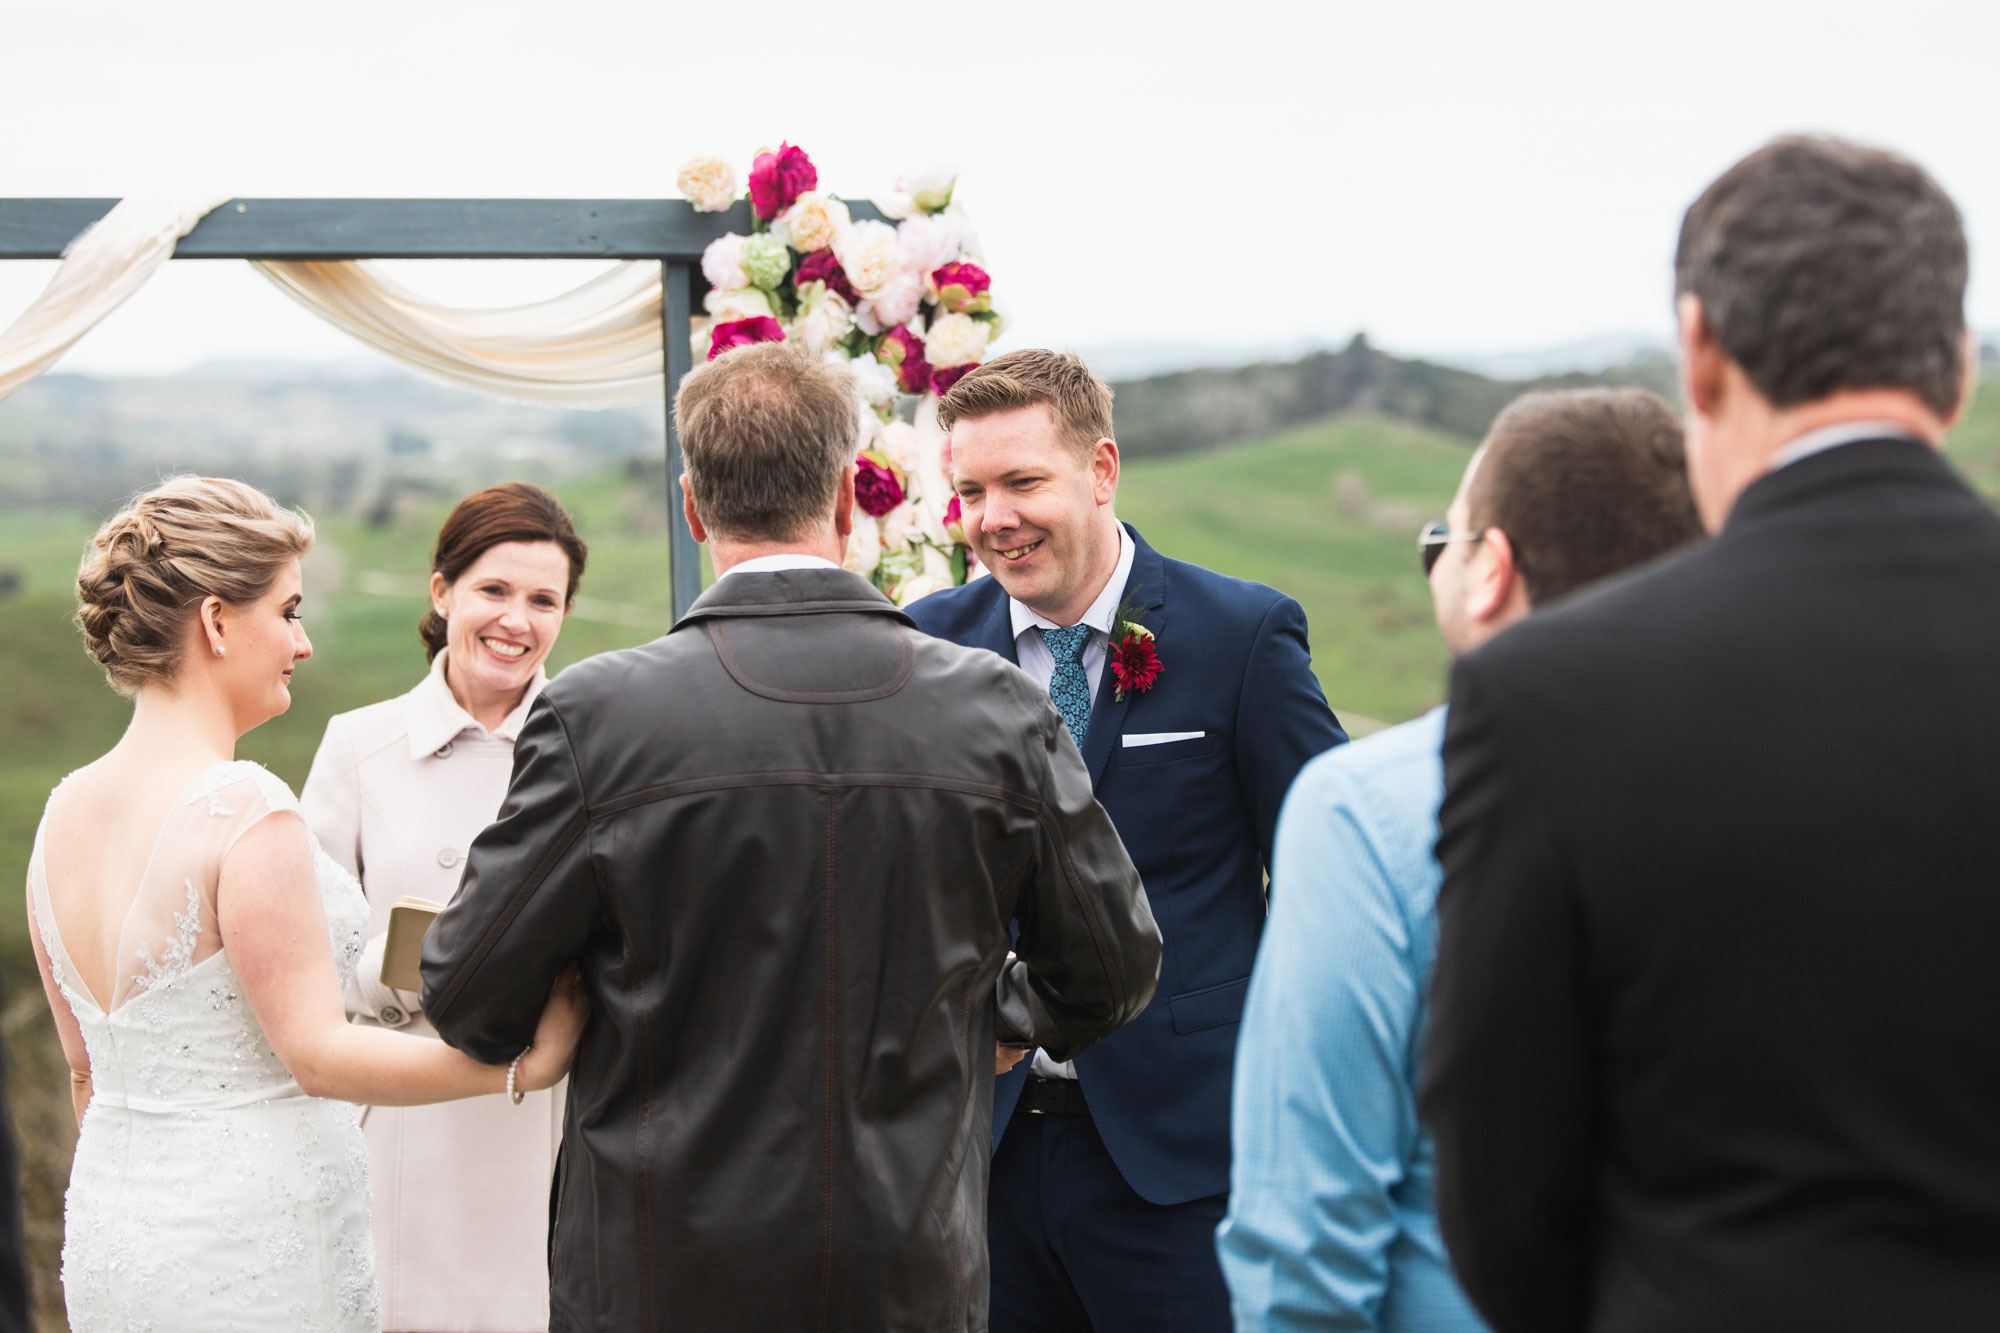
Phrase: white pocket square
x=1138 y=738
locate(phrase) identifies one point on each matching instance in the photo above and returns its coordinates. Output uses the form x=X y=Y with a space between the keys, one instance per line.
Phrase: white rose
x=927 y=243
x=875 y=382
x=895 y=206
x=937 y=565
x=743 y=303
x=955 y=340
x=698 y=336
x=709 y=183
x=923 y=585
x=722 y=263
x=813 y=221
x=929 y=189
x=864 y=546
x=894 y=302
x=896 y=527
x=869 y=253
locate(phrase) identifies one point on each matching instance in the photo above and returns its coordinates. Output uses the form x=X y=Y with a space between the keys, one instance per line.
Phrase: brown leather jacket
x=784 y=843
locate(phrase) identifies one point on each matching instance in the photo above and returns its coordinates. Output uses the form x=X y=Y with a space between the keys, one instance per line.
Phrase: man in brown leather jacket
x=784 y=843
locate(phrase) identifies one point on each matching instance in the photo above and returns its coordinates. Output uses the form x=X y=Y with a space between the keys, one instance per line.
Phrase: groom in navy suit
x=1192 y=698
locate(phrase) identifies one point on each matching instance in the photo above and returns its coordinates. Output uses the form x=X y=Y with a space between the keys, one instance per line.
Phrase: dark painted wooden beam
x=405 y=228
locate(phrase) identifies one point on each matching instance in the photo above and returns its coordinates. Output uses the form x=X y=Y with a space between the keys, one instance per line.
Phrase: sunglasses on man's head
x=1435 y=536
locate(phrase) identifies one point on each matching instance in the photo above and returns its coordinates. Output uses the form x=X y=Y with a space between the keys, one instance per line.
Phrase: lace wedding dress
x=208 y=1193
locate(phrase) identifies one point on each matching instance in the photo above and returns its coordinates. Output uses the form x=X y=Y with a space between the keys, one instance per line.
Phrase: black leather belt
x=1052 y=1096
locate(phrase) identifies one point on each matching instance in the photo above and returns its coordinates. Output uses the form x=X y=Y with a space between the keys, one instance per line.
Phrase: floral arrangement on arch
x=907 y=308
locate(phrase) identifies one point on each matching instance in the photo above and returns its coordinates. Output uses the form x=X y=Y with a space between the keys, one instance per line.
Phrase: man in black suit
x=1716 y=1027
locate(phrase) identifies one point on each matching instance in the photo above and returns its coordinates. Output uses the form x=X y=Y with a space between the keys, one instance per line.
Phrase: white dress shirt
x=1832 y=437
x=767 y=564
x=1035 y=658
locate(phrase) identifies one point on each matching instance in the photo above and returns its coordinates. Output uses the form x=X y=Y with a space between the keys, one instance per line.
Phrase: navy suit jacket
x=1197 y=817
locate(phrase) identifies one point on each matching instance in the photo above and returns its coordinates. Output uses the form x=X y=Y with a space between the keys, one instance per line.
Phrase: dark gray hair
x=766 y=432
x=1823 y=266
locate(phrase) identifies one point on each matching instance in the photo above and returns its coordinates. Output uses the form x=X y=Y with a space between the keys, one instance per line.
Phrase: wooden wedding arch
x=669 y=231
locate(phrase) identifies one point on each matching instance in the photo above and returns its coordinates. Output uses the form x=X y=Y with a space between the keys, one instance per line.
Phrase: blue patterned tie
x=1068 y=685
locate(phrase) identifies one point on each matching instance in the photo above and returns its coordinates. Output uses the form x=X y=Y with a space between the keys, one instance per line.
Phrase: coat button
x=392 y=1015
x=447 y=858
x=443 y=751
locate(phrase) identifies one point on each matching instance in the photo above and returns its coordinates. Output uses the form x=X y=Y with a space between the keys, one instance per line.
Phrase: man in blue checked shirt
x=1330 y=1222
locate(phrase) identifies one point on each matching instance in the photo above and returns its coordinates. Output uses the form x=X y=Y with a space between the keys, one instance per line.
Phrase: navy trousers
x=1075 y=1250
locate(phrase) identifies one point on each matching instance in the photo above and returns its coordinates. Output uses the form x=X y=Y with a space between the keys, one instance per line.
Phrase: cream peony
x=869 y=253
x=901 y=445
x=894 y=302
x=722 y=263
x=897 y=525
x=966 y=236
x=929 y=189
x=928 y=244
x=709 y=183
x=864 y=546
x=825 y=322
x=875 y=382
x=814 y=221
x=955 y=340
x=743 y=303
x=923 y=585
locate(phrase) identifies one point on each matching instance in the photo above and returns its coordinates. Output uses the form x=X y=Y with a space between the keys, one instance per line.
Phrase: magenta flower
x=905 y=352
x=954 y=520
x=942 y=380
x=742 y=333
x=777 y=179
x=876 y=489
x=963 y=289
x=821 y=266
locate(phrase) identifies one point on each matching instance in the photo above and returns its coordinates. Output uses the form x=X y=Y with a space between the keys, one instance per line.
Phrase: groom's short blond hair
x=1078 y=400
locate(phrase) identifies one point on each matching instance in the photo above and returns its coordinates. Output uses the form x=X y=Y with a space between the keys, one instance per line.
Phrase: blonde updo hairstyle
x=151 y=564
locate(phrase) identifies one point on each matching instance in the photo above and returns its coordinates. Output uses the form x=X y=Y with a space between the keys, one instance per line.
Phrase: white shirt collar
x=1098 y=617
x=435 y=717
x=1832 y=437
x=767 y=564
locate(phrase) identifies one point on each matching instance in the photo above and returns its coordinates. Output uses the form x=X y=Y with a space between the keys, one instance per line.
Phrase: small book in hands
x=403 y=952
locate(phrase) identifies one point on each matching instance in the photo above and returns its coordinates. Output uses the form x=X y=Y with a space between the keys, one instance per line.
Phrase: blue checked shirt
x=1330 y=1223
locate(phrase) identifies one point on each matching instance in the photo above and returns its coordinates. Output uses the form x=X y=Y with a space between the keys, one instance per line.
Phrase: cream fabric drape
x=103 y=266
x=598 y=345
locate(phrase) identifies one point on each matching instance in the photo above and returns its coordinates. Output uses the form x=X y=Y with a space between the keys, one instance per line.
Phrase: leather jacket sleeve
x=526 y=905
x=1088 y=952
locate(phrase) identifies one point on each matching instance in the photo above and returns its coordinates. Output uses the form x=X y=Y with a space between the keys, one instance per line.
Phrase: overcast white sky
x=1448 y=177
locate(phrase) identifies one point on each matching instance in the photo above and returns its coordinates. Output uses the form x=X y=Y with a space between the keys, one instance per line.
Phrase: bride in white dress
x=195 y=943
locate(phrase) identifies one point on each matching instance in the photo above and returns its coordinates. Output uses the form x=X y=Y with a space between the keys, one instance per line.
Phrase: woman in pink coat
x=397 y=793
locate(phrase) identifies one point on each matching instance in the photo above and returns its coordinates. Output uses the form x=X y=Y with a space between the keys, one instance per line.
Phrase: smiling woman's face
x=502 y=616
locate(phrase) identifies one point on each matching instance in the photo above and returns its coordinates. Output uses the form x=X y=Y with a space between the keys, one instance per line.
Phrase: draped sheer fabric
x=104 y=265
x=597 y=345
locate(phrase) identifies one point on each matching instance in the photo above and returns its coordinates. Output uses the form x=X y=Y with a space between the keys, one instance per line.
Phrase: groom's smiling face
x=1037 y=509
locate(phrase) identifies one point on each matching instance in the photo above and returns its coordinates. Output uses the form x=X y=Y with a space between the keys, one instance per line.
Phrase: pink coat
x=397 y=793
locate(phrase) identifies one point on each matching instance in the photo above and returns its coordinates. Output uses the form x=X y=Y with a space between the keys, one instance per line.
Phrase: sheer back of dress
x=174 y=1028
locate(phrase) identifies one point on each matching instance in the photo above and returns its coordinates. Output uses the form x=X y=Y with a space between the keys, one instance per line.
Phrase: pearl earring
x=218 y=650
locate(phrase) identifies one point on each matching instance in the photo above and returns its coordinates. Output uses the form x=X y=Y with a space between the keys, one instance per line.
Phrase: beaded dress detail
x=208 y=1192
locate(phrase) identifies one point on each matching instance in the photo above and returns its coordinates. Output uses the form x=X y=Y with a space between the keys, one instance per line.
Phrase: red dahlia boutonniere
x=1135 y=664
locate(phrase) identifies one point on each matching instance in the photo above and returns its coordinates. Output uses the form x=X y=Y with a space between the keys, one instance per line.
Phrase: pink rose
x=742 y=333
x=954 y=521
x=904 y=351
x=777 y=179
x=821 y=266
x=942 y=380
x=876 y=489
x=963 y=289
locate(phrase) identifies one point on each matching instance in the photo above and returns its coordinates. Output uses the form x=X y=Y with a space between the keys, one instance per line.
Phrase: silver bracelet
x=514 y=1095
